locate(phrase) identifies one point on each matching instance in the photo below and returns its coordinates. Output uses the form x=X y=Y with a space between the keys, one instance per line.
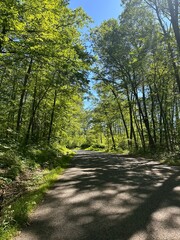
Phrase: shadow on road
x=109 y=197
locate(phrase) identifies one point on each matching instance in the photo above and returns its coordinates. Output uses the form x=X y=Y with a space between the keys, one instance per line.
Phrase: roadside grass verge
x=172 y=159
x=169 y=158
x=16 y=215
x=102 y=148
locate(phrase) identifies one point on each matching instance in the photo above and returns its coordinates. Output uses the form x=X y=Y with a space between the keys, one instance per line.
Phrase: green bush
x=44 y=157
x=16 y=215
x=62 y=150
x=72 y=146
x=48 y=157
x=11 y=162
x=13 y=172
x=85 y=145
x=123 y=144
x=100 y=146
x=9 y=158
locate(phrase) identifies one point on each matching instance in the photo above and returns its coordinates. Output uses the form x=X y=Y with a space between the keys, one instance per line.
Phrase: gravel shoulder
x=105 y=196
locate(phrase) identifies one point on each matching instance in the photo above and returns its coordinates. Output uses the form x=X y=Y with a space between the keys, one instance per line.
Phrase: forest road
x=104 y=196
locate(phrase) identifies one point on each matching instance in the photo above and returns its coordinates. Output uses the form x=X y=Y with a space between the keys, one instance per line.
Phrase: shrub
x=11 y=162
x=72 y=146
x=45 y=157
x=85 y=145
x=100 y=146
x=48 y=157
x=8 y=159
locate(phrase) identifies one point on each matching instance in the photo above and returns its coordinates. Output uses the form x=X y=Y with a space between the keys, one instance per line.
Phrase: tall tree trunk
x=145 y=119
x=152 y=114
x=21 y=102
x=11 y=115
x=132 y=132
x=35 y=106
x=109 y=124
x=173 y=9
x=163 y=119
x=3 y=33
x=177 y=117
x=140 y=131
x=52 y=117
x=33 y=111
x=121 y=112
x=112 y=135
x=170 y=49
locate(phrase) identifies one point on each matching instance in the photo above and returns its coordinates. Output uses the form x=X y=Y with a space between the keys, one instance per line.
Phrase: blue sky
x=98 y=10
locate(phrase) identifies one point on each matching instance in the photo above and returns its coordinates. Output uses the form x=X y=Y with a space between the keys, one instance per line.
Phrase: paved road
x=110 y=197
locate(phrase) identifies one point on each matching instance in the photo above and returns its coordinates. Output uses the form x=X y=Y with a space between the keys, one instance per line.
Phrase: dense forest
x=44 y=75
x=137 y=77
x=43 y=70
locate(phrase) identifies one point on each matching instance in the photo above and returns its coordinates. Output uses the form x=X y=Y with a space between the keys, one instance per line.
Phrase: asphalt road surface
x=109 y=197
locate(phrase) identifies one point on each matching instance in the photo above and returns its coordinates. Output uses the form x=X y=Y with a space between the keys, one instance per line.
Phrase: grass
x=169 y=158
x=172 y=159
x=16 y=215
x=104 y=149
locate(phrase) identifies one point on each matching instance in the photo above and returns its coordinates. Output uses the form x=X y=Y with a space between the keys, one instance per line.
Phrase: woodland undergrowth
x=25 y=176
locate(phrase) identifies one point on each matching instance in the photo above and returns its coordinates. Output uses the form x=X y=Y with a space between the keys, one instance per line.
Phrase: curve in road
x=110 y=197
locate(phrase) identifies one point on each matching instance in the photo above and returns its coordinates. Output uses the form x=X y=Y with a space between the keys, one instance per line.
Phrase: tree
x=133 y=62
x=42 y=58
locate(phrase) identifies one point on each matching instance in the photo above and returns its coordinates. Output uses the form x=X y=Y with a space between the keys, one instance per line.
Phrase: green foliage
x=44 y=70
x=172 y=159
x=11 y=163
x=48 y=157
x=100 y=146
x=49 y=161
x=85 y=145
x=97 y=147
x=16 y=215
x=8 y=159
x=138 y=102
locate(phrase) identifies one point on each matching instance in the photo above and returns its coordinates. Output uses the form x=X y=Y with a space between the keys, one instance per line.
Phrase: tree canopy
x=137 y=76
x=44 y=68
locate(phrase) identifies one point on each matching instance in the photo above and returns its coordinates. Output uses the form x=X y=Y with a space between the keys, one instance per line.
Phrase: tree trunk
x=166 y=36
x=21 y=102
x=52 y=117
x=173 y=9
x=33 y=111
x=112 y=136
x=121 y=112
x=132 y=132
x=140 y=131
x=145 y=119
x=3 y=33
x=152 y=113
x=35 y=106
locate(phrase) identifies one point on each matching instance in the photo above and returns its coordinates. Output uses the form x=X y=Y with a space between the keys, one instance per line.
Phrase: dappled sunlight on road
x=110 y=197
